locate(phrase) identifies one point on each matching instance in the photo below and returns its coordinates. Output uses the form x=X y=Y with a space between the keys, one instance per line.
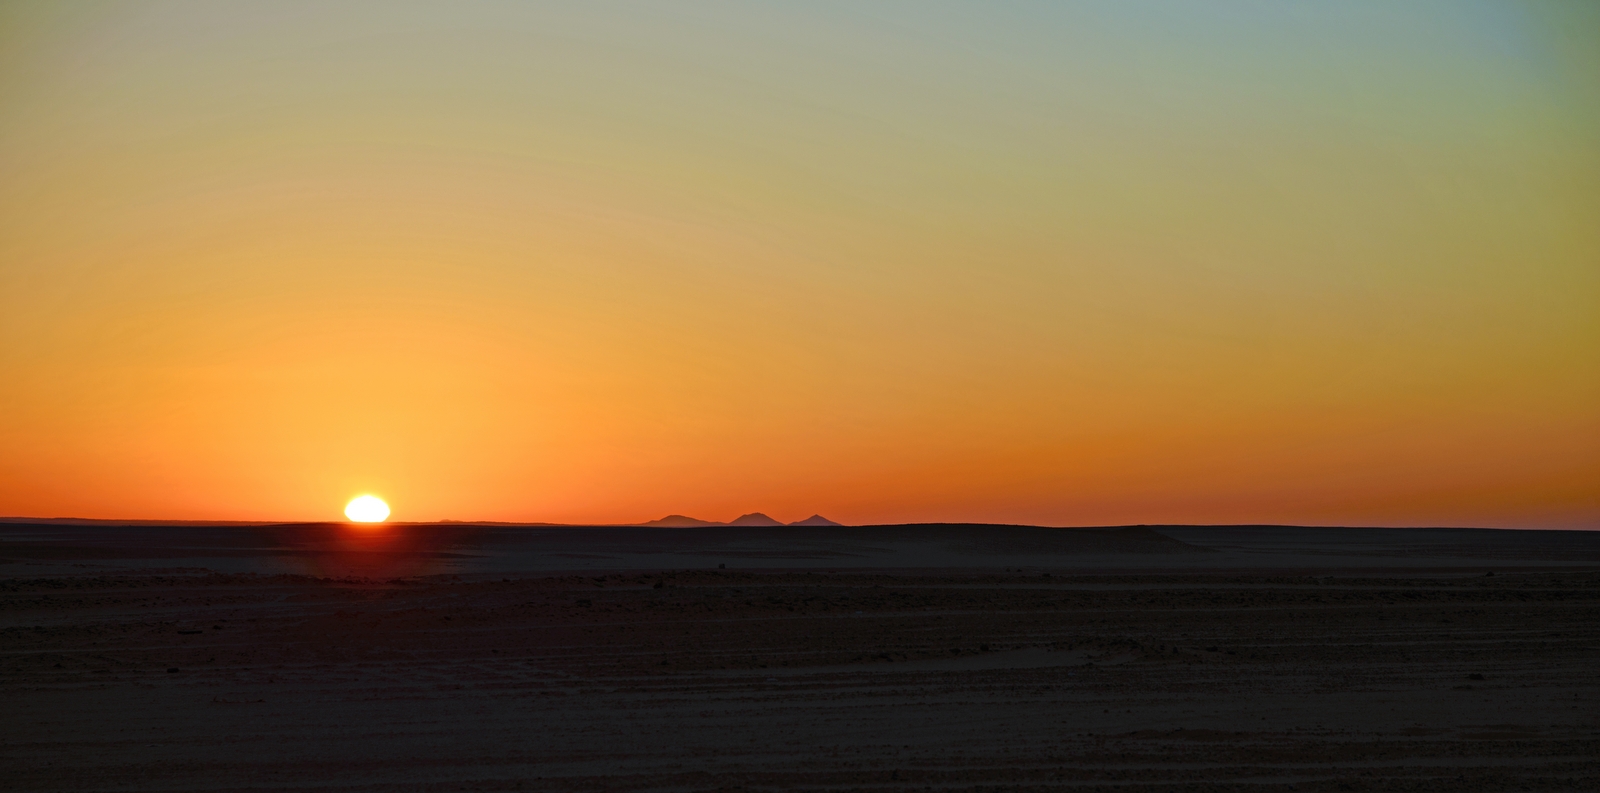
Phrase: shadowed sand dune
x=423 y=658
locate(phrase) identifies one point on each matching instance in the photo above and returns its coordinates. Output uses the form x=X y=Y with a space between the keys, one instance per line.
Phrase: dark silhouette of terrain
x=680 y=521
x=751 y=519
x=815 y=520
x=754 y=519
x=323 y=656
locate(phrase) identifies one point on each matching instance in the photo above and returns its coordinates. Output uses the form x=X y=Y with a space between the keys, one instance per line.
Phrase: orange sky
x=1111 y=263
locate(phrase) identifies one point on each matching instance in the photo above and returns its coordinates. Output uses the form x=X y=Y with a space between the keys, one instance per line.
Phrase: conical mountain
x=753 y=519
x=815 y=520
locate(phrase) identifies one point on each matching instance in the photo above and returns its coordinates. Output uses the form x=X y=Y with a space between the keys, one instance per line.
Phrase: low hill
x=754 y=519
x=680 y=521
x=815 y=520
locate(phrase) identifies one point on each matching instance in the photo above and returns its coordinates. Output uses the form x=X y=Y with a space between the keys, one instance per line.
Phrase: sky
x=1054 y=263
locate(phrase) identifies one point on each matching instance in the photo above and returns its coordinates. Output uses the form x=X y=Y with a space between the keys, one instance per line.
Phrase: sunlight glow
x=367 y=509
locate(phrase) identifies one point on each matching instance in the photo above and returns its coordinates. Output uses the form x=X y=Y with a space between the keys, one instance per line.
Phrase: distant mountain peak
x=754 y=519
x=677 y=521
x=751 y=519
x=815 y=520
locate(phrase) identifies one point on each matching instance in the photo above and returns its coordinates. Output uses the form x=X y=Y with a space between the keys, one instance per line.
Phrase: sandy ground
x=1170 y=659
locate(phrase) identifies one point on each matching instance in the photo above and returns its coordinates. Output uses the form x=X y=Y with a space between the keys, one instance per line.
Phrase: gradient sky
x=1076 y=263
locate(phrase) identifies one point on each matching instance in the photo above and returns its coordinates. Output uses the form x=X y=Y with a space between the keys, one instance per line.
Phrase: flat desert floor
x=456 y=657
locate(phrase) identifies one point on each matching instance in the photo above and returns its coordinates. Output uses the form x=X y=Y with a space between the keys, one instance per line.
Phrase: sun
x=367 y=509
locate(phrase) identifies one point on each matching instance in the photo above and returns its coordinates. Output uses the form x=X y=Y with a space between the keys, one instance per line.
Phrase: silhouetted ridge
x=754 y=519
x=815 y=520
x=678 y=521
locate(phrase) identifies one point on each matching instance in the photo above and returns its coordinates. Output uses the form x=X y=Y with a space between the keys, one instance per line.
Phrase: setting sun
x=367 y=509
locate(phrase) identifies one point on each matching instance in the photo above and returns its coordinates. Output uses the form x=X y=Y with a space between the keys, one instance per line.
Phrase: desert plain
x=408 y=657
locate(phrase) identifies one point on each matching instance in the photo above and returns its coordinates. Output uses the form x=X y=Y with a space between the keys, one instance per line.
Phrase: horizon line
x=67 y=521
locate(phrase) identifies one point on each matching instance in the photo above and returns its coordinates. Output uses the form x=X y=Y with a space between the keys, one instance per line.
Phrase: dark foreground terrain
x=1142 y=669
